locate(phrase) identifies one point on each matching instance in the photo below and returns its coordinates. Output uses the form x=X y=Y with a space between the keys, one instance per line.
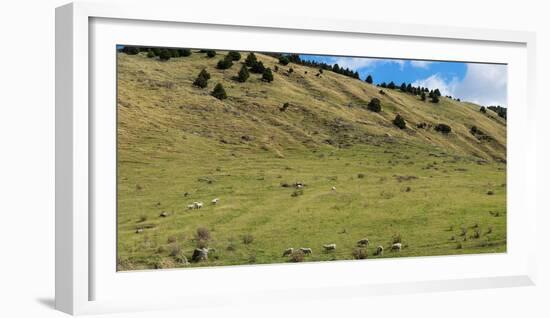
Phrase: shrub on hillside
x=374 y=105
x=164 y=55
x=225 y=63
x=483 y=109
x=290 y=70
x=204 y=73
x=382 y=92
x=423 y=96
x=391 y=85
x=210 y=53
x=435 y=99
x=283 y=60
x=184 y=52
x=219 y=92
x=258 y=67
x=234 y=55
x=250 y=59
x=150 y=54
x=399 y=121
x=130 y=50
x=267 y=75
x=443 y=128
x=202 y=79
x=243 y=74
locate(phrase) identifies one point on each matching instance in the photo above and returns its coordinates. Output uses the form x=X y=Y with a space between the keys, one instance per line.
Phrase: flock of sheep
x=332 y=247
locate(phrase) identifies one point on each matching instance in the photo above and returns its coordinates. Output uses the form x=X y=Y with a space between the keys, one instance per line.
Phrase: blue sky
x=484 y=84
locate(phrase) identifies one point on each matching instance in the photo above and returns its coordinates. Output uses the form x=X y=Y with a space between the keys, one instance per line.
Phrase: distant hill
x=323 y=109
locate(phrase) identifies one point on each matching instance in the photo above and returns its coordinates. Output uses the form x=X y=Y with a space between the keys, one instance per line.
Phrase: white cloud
x=421 y=64
x=484 y=84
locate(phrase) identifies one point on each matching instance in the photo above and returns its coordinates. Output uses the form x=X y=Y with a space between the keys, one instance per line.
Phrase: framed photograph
x=228 y=159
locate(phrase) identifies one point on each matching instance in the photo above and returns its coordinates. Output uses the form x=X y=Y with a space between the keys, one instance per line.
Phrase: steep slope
x=325 y=109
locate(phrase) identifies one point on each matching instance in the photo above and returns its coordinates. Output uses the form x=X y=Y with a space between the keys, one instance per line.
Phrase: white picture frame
x=84 y=284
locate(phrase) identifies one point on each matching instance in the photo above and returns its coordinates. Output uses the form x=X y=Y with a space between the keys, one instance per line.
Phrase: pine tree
x=435 y=98
x=391 y=85
x=165 y=55
x=225 y=63
x=184 y=52
x=234 y=55
x=423 y=96
x=267 y=75
x=204 y=73
x=202 y=79
x=243 y=74
x=219 y=92
x=283 y=60
x=369 y=79
x=250 y=59
x=258 y=67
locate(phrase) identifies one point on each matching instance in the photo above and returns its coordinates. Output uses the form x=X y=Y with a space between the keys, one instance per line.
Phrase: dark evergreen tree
x=184 y=52
x=399 y=121
x=225 y=63
x=403 y=87
x=219 y=92
x=283 y=60
x=267 y=75
x=150 y=54
x=374 y=105
x=243 y=74
x=250 y=59
x=391 y=85
x=204 y=73
x=483 y=109
x=130 y=50
x=435 y=98
x=423 y=96
x=336 y=68
x=383 y=85
x=234 y=55
x=165 y=55
x=369 y=79
x=201 y=82
x=258 y=67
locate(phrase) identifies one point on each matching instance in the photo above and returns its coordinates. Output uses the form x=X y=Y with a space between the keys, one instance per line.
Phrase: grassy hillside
x=177 y=144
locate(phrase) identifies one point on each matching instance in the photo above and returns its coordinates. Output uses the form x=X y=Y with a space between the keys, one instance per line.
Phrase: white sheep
x=306 y=250
x=363 y=242
x=215 y=201
x=288 y=251
x=191 y=206
x=396 y=247
x=333 y=188
x=329 y=247
x=379 y=250
x=198 y=205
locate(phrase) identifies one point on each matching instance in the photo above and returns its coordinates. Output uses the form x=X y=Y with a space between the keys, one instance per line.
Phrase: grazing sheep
x=139 y=231
x=288 y=251
x=191 y=206
x=306 y=250
x=200 y=254
x=379 y=250
x=163 y=214
x=299 y=186
x=329 y=247
x=197 y=205
x=396 y=247
x=215 y=201
x=333 y=188
x=363 y=242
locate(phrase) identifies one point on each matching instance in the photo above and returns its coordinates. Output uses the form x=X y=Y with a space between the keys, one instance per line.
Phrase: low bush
x=283 y=60
x=250 y=59
x=184 y=52
x=234 y=55
x=267 y=75
x=164 y=55
x=443 y=128
x=130 y=50
x=225 y=63
x=258 y=67
x=374 y=105
x=399 y=121
x=219 y=92
x=243 y=74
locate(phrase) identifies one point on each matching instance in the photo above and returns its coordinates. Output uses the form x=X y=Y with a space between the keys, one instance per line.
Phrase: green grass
x=177 y=145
